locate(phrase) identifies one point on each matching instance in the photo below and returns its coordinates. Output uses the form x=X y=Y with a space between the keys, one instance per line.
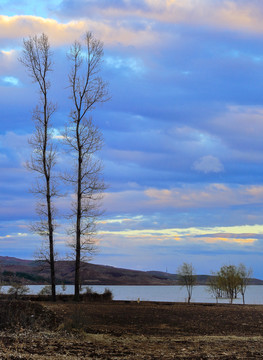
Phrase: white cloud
x=132 y=64
x=10 y=81
x=208 y=164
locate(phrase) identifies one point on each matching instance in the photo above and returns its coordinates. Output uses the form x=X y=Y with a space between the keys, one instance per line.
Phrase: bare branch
x=84 y=140
x=36 y=58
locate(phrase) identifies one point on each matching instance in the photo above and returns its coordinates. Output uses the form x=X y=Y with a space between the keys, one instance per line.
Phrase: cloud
x=232 y=15
x=240 y=127
x=43 y=8
x=16 y=147
x=16 y=208
x=9 y=81
x=8 y=60
x=19 y=26
x=208 y=164
x=16 y=27
x=207 y=247
x=193 y=235
x=188 y=197
x=183 y=148
x=131 y=64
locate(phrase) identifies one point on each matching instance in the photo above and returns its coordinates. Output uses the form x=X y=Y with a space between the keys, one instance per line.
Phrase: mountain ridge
x=32 y=272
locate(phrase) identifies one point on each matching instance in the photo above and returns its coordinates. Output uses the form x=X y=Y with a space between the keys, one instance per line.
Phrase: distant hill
x=34 y=272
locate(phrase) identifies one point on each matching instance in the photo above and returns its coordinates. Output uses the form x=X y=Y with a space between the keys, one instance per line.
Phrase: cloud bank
x=183 y=148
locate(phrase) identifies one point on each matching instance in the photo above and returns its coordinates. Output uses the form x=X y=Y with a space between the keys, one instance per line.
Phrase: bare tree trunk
x=244 y=276
x=51 y=252
x=48 y=197
x=243 y=297
x=36 y=58
x=78 y=219
x=84 y=139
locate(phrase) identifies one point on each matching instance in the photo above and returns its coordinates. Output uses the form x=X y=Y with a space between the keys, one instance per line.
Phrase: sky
x=183 y=153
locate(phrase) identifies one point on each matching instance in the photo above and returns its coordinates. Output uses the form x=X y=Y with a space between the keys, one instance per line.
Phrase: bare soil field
x=128 y=330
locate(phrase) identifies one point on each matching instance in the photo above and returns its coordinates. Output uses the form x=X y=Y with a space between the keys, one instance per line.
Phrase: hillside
x=34 y=272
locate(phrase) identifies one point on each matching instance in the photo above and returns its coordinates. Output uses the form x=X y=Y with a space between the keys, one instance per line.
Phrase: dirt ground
x=128 y=330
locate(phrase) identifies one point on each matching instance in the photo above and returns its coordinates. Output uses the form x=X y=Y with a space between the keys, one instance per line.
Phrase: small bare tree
x=244 y=277
x=36 y=57
x=187 y=278
x=85 y=140
x=231 y=280
x=17 y=290
x=214 y=287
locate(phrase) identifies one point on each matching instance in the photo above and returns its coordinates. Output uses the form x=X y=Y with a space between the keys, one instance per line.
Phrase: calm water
x=254 y=293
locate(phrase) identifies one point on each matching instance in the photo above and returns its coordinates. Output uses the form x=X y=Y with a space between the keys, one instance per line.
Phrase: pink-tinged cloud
x=8 y=60
x=206 y=196
x=209 y=196
x=233 y=15
x=220 y=239
x=19 y=26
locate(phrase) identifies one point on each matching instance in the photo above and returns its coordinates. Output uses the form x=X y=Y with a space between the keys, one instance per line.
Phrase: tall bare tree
x=36 y=57
x=85 y=140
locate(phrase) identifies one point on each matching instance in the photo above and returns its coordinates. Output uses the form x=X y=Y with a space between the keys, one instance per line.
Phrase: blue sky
x=183 y=154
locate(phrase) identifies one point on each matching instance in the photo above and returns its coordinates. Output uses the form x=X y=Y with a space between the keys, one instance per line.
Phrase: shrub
x=88 y=291
x=107 y=295
x=18 y=290
x=90 y=295
x=46 y=290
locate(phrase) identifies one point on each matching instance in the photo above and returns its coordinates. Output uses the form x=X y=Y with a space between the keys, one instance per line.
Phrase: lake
x=254 y=293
